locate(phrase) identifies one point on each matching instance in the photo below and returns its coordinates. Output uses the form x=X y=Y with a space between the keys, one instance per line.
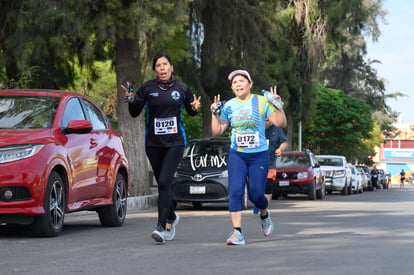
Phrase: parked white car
x=365 y=169
x=357 y=179
x=337 y=173
x=365 y=178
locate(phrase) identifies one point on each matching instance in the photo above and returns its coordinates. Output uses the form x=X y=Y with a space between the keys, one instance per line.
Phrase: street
x=369 y=233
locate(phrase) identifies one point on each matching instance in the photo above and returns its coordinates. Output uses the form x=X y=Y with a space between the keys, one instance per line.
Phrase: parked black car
x=202 y=175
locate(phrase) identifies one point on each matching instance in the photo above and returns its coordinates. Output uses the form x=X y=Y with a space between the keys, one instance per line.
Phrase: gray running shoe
x=158 y=235
x=170 y=228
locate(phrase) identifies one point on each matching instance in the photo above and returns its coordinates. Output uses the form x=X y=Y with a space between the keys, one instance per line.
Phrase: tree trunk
x=128 y=68
x=289 y=130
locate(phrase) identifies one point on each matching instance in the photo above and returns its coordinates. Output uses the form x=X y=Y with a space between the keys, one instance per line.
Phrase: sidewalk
x=143 y=202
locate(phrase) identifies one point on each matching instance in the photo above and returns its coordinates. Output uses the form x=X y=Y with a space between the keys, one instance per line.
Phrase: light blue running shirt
x=247 y=120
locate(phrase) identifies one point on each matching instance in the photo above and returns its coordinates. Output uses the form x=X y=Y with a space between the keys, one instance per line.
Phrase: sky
x=395 y=50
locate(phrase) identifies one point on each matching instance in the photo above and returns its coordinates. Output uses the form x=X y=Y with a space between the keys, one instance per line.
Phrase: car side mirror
x=78 y=127
x=317 y=165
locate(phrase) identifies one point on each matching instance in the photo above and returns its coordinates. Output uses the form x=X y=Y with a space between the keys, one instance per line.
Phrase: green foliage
x=99 y=84
x=61 y=44
x=193 y=126
x=345 y=67
x=340 y=125
x=23 y=80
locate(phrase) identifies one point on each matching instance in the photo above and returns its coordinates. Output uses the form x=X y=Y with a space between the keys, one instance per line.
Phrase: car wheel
x=312 y=191
x=356 y=189
x=114 y=214
x=51 y=222
x=344 y=191
x=320 y=194
x=350 y=192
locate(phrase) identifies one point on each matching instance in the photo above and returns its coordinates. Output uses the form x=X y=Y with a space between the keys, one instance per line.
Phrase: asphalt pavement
x=369 y=233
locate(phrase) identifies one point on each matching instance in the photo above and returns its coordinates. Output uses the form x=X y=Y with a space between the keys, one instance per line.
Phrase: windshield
x=23 y=112
x=206 y=148
x=330 y=161
x=206 y=155
x=292 y=160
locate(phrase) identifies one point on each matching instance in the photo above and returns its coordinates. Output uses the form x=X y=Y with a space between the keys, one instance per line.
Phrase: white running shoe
x=235 y=238
x=267 y=225
x=170 y=228
x=158 y=235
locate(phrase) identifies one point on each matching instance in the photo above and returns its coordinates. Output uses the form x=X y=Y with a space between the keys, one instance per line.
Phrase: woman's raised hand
x=128 y=95
x=214 y=106
x=196 y=103
x=273 y=90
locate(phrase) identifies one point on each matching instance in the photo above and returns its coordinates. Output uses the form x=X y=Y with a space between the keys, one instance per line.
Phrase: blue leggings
x=253 y=166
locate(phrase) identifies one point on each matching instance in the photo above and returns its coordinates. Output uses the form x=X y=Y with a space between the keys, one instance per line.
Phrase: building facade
x=398 y=153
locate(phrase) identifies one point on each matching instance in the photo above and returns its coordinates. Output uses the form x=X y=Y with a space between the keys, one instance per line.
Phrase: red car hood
x=289 y=169
x=24 y=136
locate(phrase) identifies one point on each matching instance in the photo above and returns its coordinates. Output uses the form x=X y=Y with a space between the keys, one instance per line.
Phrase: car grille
x=286 y=176
x=214 y=191
x=328 y=173
x=200 y=177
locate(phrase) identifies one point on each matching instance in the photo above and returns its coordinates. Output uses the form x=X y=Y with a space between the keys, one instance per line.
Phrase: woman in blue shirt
x=246 y=114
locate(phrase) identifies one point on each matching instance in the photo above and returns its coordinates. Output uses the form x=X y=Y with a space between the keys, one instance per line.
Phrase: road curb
x=142 y=202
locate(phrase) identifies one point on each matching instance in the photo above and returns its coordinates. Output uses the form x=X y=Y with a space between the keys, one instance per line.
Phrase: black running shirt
x=163 y=118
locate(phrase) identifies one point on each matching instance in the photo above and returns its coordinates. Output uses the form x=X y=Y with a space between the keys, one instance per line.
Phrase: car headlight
x=224 y=174
x=302 y=175
x=339 y=173
x=18 y=152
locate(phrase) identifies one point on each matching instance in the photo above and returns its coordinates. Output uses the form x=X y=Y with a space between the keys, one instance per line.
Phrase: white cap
x=239 y=72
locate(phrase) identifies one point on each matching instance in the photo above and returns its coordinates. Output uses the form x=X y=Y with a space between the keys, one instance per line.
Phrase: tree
x=345 y=67
x=135 y=31
x=340 y=125
x=298 y=45
x=279 y=42
x=56 y=36
x=221 y=43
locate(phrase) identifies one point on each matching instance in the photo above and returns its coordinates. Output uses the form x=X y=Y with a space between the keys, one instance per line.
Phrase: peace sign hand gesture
x=196 y=103
x=215 y=106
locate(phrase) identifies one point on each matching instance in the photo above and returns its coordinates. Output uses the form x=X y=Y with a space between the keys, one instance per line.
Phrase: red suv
x=299 y=173
x=58 y=154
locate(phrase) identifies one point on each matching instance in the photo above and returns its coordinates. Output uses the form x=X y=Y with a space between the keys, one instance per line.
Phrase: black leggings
x=164 y=162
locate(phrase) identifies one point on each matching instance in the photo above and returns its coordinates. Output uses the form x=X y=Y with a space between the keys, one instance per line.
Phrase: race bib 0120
x=165 y=126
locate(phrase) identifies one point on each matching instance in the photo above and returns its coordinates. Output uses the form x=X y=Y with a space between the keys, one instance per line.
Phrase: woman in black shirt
x=165 y=135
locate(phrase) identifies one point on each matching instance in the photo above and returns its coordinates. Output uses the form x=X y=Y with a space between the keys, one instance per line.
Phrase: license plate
x=283 y=183
x=197 y=189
